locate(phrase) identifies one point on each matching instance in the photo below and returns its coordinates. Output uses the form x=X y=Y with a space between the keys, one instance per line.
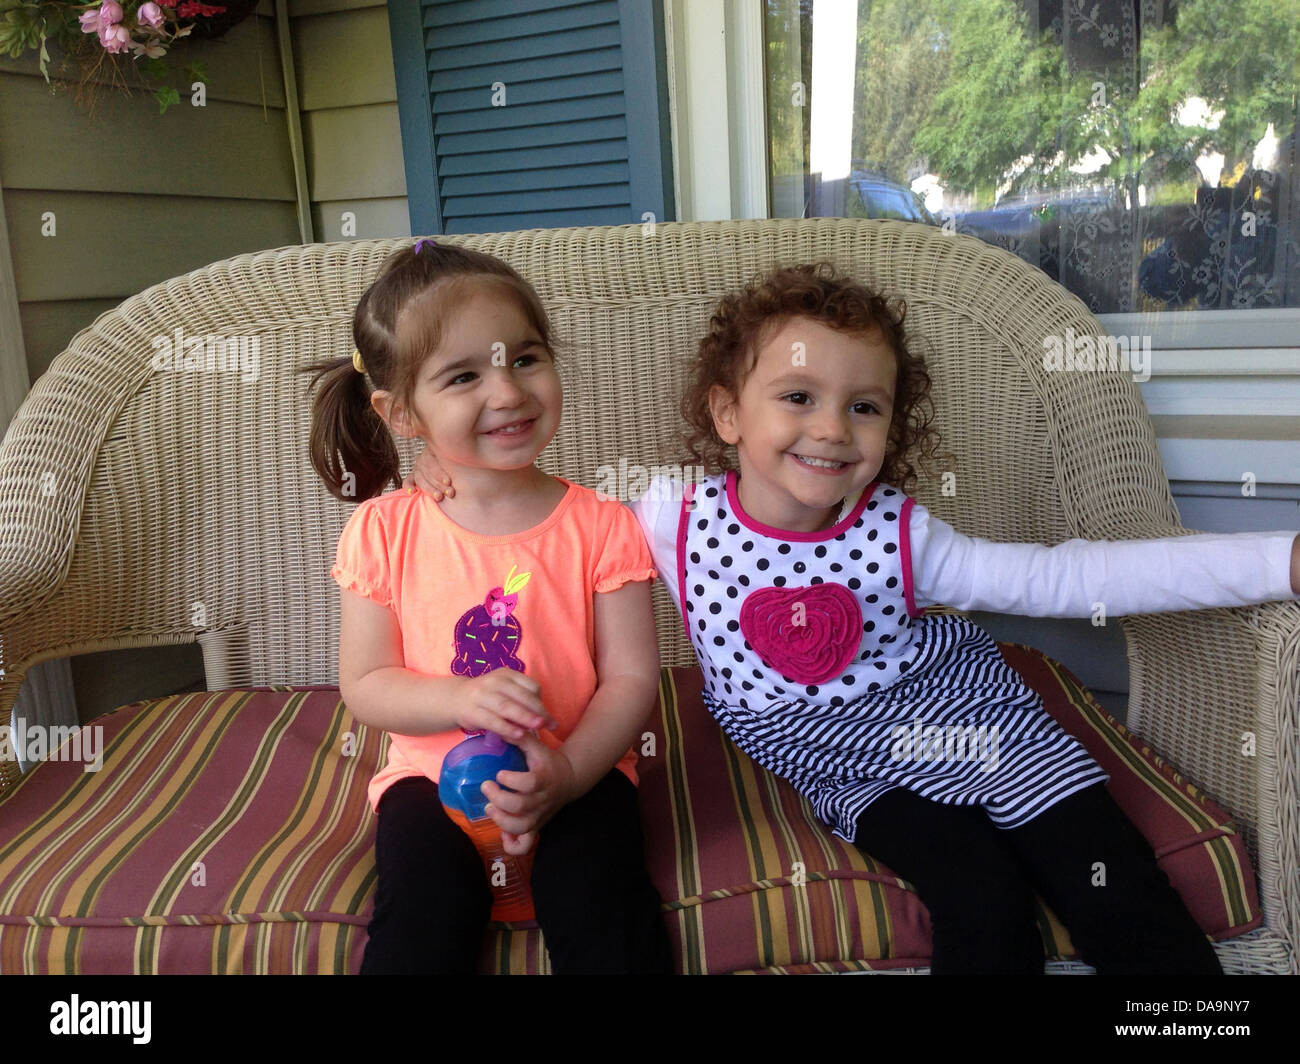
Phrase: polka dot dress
x=819 y=667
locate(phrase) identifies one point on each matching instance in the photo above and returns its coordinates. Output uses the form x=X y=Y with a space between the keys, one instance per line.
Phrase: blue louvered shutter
x=582 y=138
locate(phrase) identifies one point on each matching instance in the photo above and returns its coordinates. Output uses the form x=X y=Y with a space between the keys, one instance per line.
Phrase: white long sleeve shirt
x=1068 y=580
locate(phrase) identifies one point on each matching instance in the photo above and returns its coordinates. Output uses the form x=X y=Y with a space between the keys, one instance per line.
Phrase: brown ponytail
x=347 y=436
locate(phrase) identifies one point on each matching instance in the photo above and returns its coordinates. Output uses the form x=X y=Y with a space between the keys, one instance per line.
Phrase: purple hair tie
x=420 y=242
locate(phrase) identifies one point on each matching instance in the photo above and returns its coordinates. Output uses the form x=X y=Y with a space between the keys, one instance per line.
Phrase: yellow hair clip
x=357 y=364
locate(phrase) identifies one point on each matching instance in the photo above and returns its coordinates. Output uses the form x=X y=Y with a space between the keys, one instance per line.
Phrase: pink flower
x=104 y=14
x=107 y=14
x=114 y=38
x=150 y=48
x=194 y=9
x=150 y=14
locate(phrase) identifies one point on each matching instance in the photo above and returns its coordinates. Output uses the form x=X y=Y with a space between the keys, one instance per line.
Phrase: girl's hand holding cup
x=532 y=797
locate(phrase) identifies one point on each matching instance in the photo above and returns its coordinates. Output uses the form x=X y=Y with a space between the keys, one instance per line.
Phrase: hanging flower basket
x=211 y=27
x=123 y=40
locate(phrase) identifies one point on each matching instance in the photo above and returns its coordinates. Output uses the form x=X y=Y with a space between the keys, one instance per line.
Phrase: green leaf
x=166 y=97
x=14 y=33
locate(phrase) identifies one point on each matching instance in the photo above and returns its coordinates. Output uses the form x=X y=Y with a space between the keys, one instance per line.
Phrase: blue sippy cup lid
x=468 y=764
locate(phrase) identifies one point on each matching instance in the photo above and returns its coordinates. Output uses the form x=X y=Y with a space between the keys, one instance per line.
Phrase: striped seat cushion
x=229 y=832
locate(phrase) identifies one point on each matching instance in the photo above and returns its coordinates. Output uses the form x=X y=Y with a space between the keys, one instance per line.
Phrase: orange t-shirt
x=468 y=603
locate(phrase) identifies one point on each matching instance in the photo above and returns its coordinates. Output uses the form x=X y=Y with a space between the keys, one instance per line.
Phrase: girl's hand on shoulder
x=541 y=792
x=428 y=475
x=503 y=701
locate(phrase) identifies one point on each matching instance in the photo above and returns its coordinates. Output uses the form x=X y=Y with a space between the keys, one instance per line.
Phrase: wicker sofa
x=186 y=510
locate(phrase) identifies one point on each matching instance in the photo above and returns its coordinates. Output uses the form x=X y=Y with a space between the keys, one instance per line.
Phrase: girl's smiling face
x=811 y=422
x=489 y=397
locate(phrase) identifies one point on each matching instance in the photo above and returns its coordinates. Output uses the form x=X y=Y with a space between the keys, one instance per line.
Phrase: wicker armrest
x=1217 y=692
x=46 y=462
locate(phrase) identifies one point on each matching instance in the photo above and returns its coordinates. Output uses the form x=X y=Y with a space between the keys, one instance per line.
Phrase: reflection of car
x=872 y=195
x=1020 y=216
x=1072 y=234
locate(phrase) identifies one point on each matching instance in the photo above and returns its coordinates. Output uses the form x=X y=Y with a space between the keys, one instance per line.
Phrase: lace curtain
x=1233 y=247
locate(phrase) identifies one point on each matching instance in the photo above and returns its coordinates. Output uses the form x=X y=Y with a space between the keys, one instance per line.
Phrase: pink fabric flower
x=150 y=14
x=809 y=634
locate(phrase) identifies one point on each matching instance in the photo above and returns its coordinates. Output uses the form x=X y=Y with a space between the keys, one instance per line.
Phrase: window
x=1140 y=152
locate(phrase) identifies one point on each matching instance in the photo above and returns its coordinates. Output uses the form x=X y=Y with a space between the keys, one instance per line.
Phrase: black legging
x=978 y=880
x=593 y=898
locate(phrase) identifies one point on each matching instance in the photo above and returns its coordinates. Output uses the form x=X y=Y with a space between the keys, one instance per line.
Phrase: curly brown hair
x=347 y=435
x=741 y=324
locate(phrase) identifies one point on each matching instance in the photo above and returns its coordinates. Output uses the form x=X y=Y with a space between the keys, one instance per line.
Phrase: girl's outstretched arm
x=1071 y=579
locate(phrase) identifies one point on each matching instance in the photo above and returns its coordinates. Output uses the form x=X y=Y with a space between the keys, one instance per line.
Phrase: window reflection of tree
x=1006 y=101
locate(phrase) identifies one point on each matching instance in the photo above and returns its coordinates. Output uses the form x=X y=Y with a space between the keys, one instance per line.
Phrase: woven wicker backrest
x=202 y=516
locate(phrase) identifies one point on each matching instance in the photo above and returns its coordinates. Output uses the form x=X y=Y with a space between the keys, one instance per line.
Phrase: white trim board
x=718 y=109
x=1223 y=395
x=748 y=105
x=1221 y=361
x=1224 y=461
x=1196 y=331
x=1230 y=493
